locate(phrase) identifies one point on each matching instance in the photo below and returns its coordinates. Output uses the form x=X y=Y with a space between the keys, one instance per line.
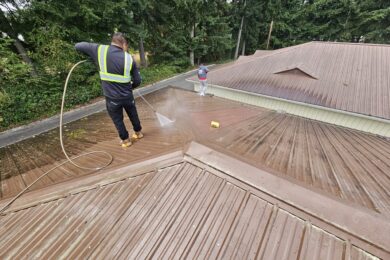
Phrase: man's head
x=119 y=39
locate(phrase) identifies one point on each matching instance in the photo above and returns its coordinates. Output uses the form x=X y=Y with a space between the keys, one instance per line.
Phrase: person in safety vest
x=119 y=76
x=202 y=76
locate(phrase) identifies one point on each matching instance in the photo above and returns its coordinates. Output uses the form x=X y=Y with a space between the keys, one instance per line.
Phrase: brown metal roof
x=257 y=54
x=180 y=210
x=323 y=191
x=349 y=77
x=260 y=53
x=347 y=164
x=336 y=161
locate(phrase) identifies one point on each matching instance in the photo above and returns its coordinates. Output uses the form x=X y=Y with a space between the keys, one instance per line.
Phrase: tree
x=330 y=20
x=8 y=20
x=374 y=21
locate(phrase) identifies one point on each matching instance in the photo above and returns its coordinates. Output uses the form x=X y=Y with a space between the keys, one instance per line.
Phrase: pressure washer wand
x=163 y=120
x=139 y=93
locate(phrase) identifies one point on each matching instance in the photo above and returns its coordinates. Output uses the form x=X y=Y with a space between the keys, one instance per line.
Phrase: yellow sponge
x=215 y=124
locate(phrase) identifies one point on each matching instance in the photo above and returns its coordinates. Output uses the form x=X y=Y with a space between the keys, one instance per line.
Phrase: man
x=202 y=76
x=119 y=75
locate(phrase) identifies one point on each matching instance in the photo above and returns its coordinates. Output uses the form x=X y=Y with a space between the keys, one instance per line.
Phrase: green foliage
x=24 y=98
x=37 y=39
x=158 y=72
x=374 y=21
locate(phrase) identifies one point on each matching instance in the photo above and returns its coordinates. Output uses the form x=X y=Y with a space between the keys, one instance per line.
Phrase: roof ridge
x=274 y=52
x=353 y=43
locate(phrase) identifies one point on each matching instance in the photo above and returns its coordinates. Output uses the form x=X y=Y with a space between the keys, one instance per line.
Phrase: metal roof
x=155 y=206
x=345 y=164
x=181 y=210
x=258 y=53
x=349 y=77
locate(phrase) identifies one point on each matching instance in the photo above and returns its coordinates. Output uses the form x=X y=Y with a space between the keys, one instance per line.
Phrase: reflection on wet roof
x=181 y=209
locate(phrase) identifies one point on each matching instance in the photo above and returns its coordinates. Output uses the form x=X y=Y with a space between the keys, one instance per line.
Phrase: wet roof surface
x=185 y=210
x=349 y=77
x=182 y=209
x=339 y=162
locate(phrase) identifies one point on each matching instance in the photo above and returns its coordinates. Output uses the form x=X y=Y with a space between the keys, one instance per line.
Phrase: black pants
x=115 y=110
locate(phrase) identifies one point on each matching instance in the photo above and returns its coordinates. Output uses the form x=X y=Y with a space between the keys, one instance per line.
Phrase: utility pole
x=239 y=34
x=269 y=34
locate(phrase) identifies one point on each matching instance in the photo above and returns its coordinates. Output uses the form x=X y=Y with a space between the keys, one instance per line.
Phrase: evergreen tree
x=374 y=21
x=330 y=20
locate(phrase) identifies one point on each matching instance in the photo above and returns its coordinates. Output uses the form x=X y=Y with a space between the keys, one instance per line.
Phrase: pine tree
x=374 y=21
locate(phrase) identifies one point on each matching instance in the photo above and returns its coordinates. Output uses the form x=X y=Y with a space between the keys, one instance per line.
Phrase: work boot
x=137 y=135
x=126 y=143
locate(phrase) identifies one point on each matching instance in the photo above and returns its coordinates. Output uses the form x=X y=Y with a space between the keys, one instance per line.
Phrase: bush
x=24 y=98
x=158 y=72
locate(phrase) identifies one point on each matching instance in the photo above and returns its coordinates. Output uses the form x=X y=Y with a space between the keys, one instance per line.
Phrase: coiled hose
x=69 y=160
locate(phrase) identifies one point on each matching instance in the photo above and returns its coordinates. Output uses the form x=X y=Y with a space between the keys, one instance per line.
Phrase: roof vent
x=299 y=70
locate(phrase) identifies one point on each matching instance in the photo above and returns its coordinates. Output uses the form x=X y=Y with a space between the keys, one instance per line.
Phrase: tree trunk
x=243 y=48
x=239 y=35
x=239 y=39
x=144 y=63
x=18 y=44
x=23 y=53
x=192 y=56
x=269 y=34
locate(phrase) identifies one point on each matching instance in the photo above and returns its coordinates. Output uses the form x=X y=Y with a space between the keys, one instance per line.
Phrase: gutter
x=327 y=109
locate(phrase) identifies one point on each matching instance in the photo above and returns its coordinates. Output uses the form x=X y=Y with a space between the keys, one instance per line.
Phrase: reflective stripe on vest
x=104 y=75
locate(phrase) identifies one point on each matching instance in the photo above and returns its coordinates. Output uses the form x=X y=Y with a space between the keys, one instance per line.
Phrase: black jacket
x=115 y=65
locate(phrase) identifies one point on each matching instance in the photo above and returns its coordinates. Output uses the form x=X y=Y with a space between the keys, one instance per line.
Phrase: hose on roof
x=69 y=160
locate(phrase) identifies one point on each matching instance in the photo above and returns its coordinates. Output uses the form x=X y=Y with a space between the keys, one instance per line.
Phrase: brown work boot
x=126 y=143
x=137 y=135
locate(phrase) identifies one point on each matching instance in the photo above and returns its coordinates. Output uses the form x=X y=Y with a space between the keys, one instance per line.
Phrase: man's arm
x=87 y=48
x=135 y=76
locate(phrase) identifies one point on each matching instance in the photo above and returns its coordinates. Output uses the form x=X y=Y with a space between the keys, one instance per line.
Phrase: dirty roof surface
x=190 y=208
x=341 y=163
x=349 y=77
x=184 y=210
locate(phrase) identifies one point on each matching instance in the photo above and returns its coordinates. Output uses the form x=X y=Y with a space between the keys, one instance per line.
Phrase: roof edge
x=366 y=225
x=216 y=90
x=353 y=43
x=92 y=181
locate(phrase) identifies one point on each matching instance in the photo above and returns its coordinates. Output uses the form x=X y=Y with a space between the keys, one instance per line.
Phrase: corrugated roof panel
x=354 y=121
x=191 y=218
x=351 y=77
x=358 y=254
x=344 y=163
x=248 y=231
x=113 y=221
x=180 y=211
x=283 y=238
x=211 y=234
x=326 y=246
x=24 y=162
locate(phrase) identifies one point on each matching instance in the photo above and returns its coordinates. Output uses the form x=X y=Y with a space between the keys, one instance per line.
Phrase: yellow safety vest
x=104 y=75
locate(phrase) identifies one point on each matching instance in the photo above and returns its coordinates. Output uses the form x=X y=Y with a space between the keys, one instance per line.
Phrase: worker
x=119 y=76
x=202 y=76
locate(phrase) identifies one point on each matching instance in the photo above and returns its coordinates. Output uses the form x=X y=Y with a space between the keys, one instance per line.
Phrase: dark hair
x=119 y=38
